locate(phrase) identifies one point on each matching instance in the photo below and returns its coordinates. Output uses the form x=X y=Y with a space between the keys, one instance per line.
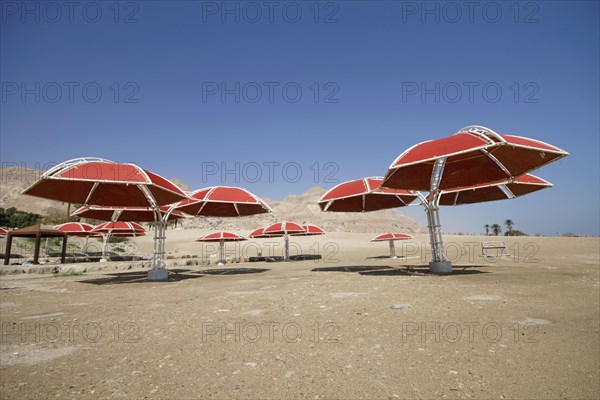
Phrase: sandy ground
x=519 y=326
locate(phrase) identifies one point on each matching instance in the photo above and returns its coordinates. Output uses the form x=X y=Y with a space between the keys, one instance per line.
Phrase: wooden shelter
x=38 y=232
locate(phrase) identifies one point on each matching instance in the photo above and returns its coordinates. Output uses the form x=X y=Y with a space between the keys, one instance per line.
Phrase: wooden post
x=36 y=254
x=8 y=247
x=64 y=249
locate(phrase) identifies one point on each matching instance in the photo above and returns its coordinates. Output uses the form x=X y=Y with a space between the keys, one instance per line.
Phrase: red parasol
x=223 y=201
x=221 y=238
x=137 y=214
x=472 y=156
x=391 y=237
x=120 y=228
x=76 y=229
x=284 y=229
x=3 y=232
x=105 y=183
x=95 y=181
x=310 y=230
x=499 y=190
x=364 y=195
x=259 y=234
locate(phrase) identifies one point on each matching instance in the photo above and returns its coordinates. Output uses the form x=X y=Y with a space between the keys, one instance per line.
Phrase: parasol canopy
x=391 y=236
x=499 y=190
x=3 y=232
x=221 y=237
x=310 y=230
x=283 y=228
x=259 y=234
x=102 y=182
x=472 y=156
x=223 y=201
x=76 y=229
x=137 y=214
x=120 y=228
x=364 y=195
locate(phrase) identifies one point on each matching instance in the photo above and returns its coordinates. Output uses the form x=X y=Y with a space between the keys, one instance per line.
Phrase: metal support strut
x=286 y=248
x=439 y=264
x=392 y=249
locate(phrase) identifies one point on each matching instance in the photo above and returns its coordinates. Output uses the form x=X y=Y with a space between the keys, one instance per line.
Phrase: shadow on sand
x=175 y=275
x=350 y=269
x=408 y=270
x=232 y=271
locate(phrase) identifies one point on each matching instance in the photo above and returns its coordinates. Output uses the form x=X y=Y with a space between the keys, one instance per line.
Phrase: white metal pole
x=392 y=249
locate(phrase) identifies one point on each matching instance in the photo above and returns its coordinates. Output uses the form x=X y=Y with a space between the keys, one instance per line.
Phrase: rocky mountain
x=300 y=208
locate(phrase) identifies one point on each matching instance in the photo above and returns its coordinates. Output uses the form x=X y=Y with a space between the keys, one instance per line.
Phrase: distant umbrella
x=223 y=201
x=310 y=230
x=221 y=238
x=391 y=237
x=121 y=229
x=284 y=229
x=363 y=195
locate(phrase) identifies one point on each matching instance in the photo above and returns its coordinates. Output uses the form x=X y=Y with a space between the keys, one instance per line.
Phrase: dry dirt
x=519 y=326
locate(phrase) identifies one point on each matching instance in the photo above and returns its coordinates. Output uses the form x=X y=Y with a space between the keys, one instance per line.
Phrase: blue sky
x=331 y=90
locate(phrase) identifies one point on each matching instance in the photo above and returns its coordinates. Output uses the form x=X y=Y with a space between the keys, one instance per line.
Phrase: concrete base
x=440 y=267
x=159 y=275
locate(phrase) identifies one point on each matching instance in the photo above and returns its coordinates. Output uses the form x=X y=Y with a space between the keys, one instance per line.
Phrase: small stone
x=400 y=306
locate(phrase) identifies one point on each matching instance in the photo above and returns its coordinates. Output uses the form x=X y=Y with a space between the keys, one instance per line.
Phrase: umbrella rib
x=89 y=196
x=507 y=192
x=498 y=163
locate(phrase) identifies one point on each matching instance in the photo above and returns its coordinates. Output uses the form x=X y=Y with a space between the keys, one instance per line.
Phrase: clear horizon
x=280 y=97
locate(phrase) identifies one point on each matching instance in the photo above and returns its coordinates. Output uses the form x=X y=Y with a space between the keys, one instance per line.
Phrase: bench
x=498 y=246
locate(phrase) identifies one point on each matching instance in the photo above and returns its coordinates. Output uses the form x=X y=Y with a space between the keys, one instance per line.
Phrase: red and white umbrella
x=223 y=201
x=221 y=238
x=363 y=195
x=105 y=183
x=259 y=234
x=310 y=230
x=120 y=228
x=474 y=156
x=284 y=229
x=391 y=237
x=76 y=229
x=137 y=214
x=96 y=181
x=3 y=232
x=499 y=190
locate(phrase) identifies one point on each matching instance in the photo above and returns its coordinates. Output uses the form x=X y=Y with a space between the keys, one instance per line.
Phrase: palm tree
x=509 y=225
x=497 y=229
x=487 y=230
